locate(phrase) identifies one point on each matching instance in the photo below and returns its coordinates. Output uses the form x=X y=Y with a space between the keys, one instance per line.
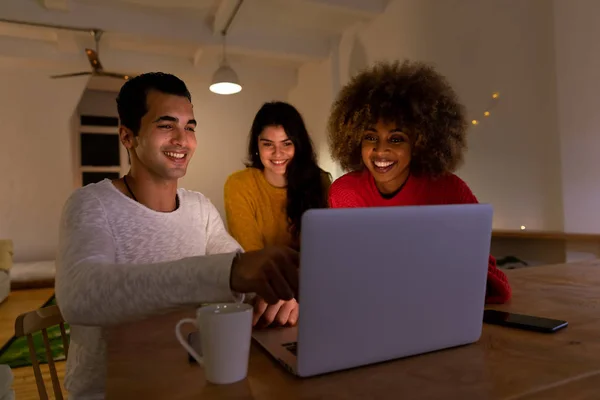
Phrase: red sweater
x=357 y=189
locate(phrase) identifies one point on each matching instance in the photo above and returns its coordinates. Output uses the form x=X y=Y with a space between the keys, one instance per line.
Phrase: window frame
x=122 y=169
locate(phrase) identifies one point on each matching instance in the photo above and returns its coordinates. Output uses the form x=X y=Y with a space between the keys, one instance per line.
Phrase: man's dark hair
x=131 y=101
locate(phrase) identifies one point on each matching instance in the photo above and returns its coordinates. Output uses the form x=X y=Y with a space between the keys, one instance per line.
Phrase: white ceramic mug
x=225 y=335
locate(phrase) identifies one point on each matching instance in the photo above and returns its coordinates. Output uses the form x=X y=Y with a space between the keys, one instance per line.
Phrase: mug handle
x=184 y=343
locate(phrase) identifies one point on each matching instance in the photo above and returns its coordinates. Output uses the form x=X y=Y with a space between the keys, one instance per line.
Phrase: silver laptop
x=378 y=284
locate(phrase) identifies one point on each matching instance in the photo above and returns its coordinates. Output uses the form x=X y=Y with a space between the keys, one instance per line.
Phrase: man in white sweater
x=140 y=246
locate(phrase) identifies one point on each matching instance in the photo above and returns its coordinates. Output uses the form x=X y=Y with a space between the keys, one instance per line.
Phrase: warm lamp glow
x=225 y=88
x=487 y=111
x=522 y=227
x=225 y=81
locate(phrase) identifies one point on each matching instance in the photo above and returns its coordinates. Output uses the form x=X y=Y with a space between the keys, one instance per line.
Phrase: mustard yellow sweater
x=256 y=210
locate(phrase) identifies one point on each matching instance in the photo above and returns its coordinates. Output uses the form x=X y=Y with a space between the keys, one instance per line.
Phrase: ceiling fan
x=97 y=69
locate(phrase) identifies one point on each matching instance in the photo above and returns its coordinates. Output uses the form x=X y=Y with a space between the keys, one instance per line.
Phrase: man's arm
x=218 y=240
x=91 y=289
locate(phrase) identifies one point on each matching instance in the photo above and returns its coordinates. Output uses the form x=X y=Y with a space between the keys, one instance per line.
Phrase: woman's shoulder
x=242 y=181
x=449 y=181
x=452 y=188
x=349 y=190
x=350 y=180
x=350 y=183
x=242 y=176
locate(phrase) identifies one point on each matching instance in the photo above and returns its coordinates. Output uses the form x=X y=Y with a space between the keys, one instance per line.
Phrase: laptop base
x=280 y=343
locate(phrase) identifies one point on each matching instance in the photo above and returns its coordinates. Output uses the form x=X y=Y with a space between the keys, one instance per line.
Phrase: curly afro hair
x=417 y=99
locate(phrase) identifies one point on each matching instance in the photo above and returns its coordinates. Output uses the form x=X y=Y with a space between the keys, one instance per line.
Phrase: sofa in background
x=23 y=275
x=32 y=275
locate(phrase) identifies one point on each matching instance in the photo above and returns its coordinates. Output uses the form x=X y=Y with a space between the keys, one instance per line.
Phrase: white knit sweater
x=121 y=261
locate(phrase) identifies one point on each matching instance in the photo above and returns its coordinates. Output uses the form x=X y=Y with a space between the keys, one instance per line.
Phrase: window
x=100 y=153
x=100 y=150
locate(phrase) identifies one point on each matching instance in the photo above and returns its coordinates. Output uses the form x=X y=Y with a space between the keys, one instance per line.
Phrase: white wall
x=35 y=158
x=98 y=102
x=482 y=46
x=578 y=82
x=313 y=97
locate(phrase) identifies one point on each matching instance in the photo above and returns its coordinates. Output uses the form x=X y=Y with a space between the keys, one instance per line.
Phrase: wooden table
x=146 y=361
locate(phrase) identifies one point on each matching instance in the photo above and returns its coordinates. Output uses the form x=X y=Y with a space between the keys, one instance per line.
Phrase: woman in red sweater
x=400 y=131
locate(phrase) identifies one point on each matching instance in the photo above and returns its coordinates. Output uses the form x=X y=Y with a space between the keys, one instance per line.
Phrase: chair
x=40 y=320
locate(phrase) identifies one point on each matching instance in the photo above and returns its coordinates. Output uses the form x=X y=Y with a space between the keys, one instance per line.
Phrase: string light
x=487 y=112
x=522 y=227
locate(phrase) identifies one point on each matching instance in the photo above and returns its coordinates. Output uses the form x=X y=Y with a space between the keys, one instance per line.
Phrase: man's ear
x=127 y=137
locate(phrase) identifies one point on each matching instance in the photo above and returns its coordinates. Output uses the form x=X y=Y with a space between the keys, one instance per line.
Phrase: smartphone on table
x=521 y=321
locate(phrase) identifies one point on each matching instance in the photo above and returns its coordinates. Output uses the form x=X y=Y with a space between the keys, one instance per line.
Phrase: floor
x=18 y=302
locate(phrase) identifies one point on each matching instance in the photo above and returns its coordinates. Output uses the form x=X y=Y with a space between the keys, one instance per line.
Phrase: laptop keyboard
x=292 y=346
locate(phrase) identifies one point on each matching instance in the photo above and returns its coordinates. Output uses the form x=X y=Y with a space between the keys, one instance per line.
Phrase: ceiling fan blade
x=93 y=59
x=114 y=75
x=71 y=75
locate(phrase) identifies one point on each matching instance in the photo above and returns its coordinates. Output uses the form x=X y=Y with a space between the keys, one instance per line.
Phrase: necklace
x=395 y=192
x=135 y=198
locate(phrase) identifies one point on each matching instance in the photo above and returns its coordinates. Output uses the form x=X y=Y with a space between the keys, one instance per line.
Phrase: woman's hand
x=282 y=313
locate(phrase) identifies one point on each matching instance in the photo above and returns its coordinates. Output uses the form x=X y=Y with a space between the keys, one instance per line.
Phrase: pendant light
x=225 y=80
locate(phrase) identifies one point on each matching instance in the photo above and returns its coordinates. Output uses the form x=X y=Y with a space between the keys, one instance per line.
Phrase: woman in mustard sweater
x=264 y=202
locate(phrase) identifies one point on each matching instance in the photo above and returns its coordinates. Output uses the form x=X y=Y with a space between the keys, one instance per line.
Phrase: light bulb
x=487 y=113
x=475 y=122
x=225 y=88
x=522 y=227
x=495 y=95
x=225 y=81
